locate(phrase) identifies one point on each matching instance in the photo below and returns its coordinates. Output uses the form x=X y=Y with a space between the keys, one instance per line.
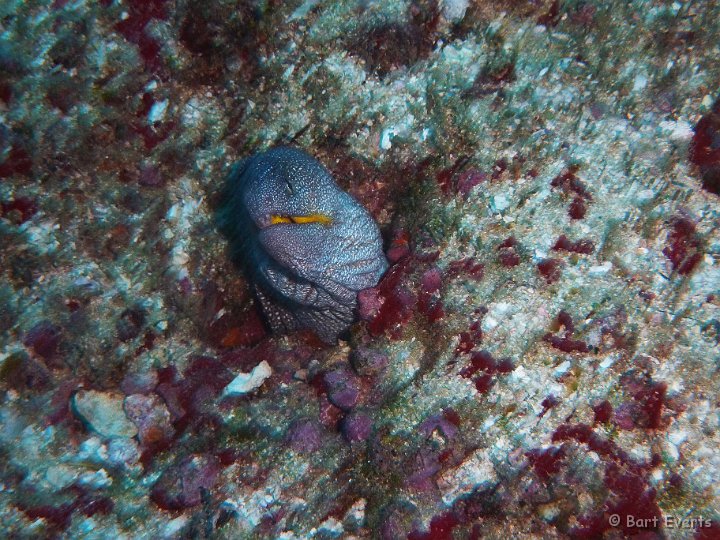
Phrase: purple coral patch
x=356 y=427
x=181 y=485
x=44 y=339
x=305 y=436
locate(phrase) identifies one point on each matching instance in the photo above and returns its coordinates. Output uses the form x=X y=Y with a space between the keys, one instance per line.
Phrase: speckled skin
x=304 y=275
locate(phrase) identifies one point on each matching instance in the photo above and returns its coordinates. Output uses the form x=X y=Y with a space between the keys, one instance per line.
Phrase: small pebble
x=103 y=413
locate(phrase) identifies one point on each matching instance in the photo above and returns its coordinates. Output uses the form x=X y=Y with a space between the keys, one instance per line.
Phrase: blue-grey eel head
x=307 y=245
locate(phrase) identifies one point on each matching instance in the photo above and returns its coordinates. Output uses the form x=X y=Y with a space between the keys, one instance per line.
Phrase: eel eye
x=300 y=220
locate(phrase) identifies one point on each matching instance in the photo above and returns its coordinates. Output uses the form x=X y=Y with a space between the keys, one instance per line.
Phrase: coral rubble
x=540 y=360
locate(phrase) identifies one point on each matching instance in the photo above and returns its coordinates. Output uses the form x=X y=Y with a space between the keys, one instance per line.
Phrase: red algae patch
x=684 y=249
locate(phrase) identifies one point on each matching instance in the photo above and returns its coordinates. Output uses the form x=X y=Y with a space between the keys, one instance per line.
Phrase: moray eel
x=306 y=246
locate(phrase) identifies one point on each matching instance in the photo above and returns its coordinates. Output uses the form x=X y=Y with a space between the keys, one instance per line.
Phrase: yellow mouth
x=299 y=220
